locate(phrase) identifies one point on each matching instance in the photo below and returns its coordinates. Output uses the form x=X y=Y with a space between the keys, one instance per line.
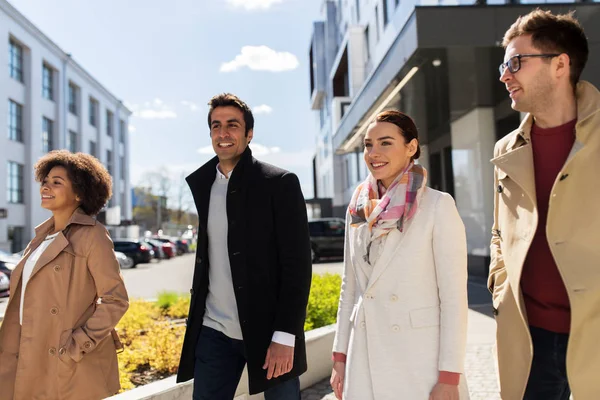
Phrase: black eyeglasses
x=514 y=63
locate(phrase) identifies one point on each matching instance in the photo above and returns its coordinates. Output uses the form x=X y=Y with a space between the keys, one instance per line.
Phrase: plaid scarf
x=392 y=210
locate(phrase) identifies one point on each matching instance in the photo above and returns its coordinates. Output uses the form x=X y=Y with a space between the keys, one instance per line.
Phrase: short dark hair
x=231 y=100
x=407 y=126
x=552 y=33
x=91 y=181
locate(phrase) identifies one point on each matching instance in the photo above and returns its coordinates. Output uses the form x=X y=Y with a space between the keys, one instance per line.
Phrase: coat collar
x=517 y=160
x=78 y=218
x=201 y=180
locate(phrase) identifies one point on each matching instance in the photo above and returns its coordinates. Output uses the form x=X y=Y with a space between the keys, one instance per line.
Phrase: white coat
x=408 y=321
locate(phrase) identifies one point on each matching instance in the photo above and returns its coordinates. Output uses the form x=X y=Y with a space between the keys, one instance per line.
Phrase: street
x=175 y=275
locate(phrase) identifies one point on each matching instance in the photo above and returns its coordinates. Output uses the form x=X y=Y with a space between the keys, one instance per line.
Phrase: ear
x=250 y=135
x=412 y=147
x=562 y=66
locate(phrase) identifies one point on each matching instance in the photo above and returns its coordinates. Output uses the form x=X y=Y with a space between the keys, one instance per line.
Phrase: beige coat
x=573 y=232
x=66 y=348
x=404 y=319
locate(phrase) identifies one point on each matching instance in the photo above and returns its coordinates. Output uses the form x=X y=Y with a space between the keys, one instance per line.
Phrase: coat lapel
x=517 y=163
x=200 y=183
x=390 y=248
x=59 y=243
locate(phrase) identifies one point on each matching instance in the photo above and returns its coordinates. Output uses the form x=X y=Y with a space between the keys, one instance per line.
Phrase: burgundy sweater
x=544 y=291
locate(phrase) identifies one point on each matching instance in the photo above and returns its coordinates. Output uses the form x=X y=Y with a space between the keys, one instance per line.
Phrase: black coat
x=269 y=253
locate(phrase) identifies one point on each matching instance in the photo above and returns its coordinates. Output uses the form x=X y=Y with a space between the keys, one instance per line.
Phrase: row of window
x=15 y=67
x=15 y=128
x=16 y=183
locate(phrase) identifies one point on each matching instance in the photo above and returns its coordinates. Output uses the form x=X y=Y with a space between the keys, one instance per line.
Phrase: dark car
x=327 y=237
x=140 y=252
x=8 y=263
x=169 y=247
x=157 y=246
x=183 y=246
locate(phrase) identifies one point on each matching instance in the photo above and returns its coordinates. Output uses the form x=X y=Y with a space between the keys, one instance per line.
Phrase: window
x=16 y=236
x=122 y=132
x=110 y=120
x=122 y=168
x=377 y=24
x=367 y=50
x=93 y=148
x=47 y=82
x=15 y=183
x=15 y=121
x=397 y=2
x=357 y=11
x=72 y=141
x=47 y=135
x=15 y=60
x=109 y=161
x=73 y=98
x=93 y=111
x=386 y=17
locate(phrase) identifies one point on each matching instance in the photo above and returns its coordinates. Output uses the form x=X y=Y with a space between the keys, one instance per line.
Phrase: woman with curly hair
x=57 y=340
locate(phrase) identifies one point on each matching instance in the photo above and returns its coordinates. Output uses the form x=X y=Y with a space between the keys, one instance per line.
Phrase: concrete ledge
x=319 y=343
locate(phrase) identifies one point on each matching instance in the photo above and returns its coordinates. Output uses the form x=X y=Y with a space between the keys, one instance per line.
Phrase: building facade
x=50 y=102
x=438 y=62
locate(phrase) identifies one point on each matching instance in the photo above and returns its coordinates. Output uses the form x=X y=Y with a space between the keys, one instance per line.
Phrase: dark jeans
x=548 y=377
x=220 y=362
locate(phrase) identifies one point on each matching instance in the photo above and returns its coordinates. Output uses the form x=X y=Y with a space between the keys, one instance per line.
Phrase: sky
x=166 y=59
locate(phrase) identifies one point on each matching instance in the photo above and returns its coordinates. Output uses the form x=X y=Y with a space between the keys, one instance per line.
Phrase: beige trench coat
x=573 y=232
x=66 y=348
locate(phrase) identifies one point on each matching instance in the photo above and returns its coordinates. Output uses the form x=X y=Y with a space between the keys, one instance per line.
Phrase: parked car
x=157 y=246
x=326 y=237
x=8 y=263
x=124 y=260
x=140 y=252
x=4 y=285
x=169 y=247
x=183 y=246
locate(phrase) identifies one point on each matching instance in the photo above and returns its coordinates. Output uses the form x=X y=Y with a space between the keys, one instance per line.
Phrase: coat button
x=396 y=328
x=563 y=177
x=57 y=268
x=198 y=260
x=62 y=351
x=500 y=189
x=52 y=351
x=192 y=291
x=54 y=311
x=394 y=297
x=237 y=253
x=87 y=345
x=363 y=324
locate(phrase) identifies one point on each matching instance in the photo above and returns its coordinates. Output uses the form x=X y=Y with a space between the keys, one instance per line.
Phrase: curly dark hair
x=91 y=181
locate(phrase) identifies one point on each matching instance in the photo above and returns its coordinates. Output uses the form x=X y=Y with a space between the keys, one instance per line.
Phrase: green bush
x=323 y=301
x=166 y=299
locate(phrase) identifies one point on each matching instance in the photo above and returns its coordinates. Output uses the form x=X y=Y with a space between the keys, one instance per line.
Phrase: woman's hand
x=337 y=378
x=443 y=391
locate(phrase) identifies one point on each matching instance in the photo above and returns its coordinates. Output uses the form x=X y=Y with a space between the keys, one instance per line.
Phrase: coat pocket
x=425 y=317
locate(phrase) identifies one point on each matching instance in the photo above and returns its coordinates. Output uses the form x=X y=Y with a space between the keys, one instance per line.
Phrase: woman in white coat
x=402 y=318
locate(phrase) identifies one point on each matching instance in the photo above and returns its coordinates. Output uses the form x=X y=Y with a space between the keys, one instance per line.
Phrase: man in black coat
x=253 y=268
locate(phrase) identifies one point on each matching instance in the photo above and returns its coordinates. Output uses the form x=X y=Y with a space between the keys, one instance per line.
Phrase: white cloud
x=192 y=106
x=251 y=5
x=262 y=109
x=206 y=150
x=273 y=155
x=155 y=109
x=261 y=58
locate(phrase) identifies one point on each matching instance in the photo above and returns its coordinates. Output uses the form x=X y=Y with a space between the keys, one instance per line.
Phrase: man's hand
x=279 y=360
x=337 y=378
x=443 y=391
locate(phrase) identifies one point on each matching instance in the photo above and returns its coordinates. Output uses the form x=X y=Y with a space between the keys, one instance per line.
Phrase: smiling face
x=386 y=152
x=57 y=191
x=532 y=87
x=228 y=134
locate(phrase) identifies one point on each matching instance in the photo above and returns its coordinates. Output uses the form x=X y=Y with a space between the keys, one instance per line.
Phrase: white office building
x=48 y=101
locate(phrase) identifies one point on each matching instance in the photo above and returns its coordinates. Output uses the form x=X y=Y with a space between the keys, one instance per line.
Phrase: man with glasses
x=545 y=248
